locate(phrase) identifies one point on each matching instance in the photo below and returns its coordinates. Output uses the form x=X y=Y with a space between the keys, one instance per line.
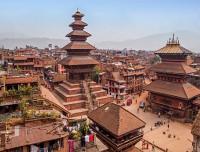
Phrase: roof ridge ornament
x=173 y=38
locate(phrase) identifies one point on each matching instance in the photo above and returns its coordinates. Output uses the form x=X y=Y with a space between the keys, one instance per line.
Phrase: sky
x=108 y=20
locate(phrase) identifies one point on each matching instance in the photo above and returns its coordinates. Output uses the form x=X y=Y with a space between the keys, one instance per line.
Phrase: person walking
x=168 y=126
x=159 y=115
x=138 y=110
x=153 y=146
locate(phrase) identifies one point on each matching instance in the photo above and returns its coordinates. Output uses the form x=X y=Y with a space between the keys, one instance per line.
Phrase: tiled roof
x=78 y=22
x=16 y=80
x=78 y=33
x=78 y=14
x=196 y=126
x=52 y=99
x=116 y=119
x=29 y=135
x=175 y=67
x=181 y=90
x=78 y=60
x=116 y=76
x=173 y=49
x=75 y=45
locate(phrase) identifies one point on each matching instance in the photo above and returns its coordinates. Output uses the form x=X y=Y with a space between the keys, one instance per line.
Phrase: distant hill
x=11 y=43
x=188 y=39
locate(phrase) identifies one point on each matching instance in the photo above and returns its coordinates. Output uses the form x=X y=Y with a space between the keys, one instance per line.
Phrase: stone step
x=105 y=99
x=100 y=93
x=96 y=88
x=75 y=104
x=78 y=112
x=67 y=97
x=92 y=83
x=72 y=85
x=69 y=90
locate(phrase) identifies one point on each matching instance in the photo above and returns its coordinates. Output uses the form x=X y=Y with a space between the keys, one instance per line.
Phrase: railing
x=24 y=63
x=122 y=144
x=77 y=144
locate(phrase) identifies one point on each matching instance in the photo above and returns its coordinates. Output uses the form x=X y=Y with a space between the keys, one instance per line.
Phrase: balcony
x=111 y=142
x=23 y=63
x=38 y=65
x=119 y=86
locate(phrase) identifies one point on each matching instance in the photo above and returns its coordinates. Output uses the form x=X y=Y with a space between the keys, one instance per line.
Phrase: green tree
x=23 y=106
x=95 y=72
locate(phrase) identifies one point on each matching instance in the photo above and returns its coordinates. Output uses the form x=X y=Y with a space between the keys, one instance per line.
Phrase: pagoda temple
x=78 y=63
x=78 y=93
x=170 y=93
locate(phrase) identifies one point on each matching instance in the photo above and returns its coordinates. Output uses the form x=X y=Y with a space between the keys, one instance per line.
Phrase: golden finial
x=173 y=38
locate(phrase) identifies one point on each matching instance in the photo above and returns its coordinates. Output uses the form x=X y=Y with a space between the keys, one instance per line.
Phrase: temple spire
x=173 y=38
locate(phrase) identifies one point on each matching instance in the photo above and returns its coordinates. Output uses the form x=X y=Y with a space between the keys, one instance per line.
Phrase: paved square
x=182 y=141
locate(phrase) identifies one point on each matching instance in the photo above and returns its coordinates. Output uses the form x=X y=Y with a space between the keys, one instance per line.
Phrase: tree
x=24 y=108
x=95 y=72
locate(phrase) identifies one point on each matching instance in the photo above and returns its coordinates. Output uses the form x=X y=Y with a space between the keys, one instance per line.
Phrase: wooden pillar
x=25 y=149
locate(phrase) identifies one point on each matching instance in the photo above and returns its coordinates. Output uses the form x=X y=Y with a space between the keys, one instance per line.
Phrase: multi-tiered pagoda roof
x=172 y=72
x=78 y=49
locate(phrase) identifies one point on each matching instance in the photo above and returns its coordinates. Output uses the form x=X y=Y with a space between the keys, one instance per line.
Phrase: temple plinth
x=171 y=93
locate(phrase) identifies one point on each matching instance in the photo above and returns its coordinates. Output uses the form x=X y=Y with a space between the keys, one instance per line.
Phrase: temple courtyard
x=180 y=133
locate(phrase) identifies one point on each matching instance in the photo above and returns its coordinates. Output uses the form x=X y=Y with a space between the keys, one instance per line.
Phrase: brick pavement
x=182 y=132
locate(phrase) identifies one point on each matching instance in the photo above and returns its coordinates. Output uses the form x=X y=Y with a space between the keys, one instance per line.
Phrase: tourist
x=138 y=110
x=168 y=126
x=153 y=146
x=159 y=115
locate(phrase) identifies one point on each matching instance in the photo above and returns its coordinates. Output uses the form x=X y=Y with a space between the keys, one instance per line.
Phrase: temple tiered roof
x=78 y=60
x=78 y=49
x=78 y=36
x=172 y=67
x=116 y=119
x=173 y=47
x=181 y=90
x=175 y=68
x=78 y=22
x=78 y=33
